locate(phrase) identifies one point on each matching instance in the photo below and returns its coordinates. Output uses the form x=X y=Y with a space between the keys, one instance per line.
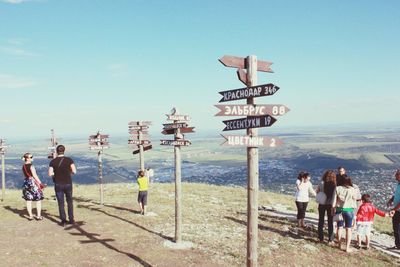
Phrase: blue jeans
x=61 y=190
x=348 y=217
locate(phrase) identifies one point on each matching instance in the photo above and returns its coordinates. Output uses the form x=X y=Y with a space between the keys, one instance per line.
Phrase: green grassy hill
x=214 y=220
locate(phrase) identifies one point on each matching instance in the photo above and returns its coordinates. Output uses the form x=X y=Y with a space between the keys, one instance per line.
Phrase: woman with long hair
x=326 y=188
x=32 y=189
x=344 y=203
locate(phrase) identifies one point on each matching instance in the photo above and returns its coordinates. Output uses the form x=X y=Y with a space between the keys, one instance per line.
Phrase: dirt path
x=379 y=241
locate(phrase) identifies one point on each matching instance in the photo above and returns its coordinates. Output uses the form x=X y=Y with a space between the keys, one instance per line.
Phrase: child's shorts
x=364 y=228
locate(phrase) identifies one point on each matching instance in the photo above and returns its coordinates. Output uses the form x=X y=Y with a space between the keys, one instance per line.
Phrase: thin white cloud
x=13 y=82
x=118 y=69
x=15 y=51
x=15 y=1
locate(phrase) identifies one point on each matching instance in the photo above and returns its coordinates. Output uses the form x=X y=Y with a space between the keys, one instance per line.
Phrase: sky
x=83 y=66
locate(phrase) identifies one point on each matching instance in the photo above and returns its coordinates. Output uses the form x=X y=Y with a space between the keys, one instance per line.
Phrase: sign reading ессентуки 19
x=248 y=92
x=251 y=122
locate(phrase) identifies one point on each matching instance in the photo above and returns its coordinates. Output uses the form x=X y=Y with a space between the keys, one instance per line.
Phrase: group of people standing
x=341 y=201
x=61 y=170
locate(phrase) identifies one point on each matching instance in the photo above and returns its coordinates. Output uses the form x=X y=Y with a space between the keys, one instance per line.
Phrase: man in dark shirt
x=61 y=168
x=340 y=176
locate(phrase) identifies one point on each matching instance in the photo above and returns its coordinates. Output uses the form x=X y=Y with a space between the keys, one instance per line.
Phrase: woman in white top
x=304 y=188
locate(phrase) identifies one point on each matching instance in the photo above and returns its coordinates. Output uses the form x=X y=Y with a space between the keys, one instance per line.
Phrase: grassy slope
x=214 y=219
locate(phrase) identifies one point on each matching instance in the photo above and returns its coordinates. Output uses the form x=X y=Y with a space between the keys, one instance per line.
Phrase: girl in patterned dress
x=32 y=188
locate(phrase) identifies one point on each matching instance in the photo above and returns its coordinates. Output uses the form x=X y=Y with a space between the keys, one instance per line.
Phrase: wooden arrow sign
x=168 y=126
x=175 y=142
x=252 y=110
x=141 y=137
x=178 y=117
x=98 y=140
x=139 y=123
x=240 y=63
x=101 y=136
x=144 y=149
x=246 y=123
x=248 y=141
x=138 y=131
x=182 y=130
x=138 y=128
x=253 y=91
x=139 y=142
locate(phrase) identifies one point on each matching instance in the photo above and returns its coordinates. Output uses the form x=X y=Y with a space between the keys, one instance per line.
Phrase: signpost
x=53 y=145
x=252 y=110
x=251 y=141
x=140 y=137
x=257 y=116
x=3 y=169
x=177 y=128
x=99 y=142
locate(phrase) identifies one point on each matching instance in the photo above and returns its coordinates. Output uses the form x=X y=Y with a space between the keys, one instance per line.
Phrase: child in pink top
x=365 y=219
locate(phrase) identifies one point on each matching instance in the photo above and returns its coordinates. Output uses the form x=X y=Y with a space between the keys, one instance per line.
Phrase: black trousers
x=322 y=209
x=301 y=209
x=396 y=228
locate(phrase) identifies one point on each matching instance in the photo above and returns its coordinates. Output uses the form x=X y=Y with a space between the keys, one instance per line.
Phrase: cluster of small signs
x=99 y=141
x=178 y=128
x=3 y=146
x=257 y=116
x=139 y=135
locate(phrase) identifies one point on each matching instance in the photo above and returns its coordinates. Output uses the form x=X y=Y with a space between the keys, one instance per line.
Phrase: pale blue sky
x=79 y=66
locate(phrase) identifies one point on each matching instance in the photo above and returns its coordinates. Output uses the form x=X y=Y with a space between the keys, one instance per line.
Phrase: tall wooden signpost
x=139 y=135
x=99 y=142
x=177 y=128
x=3 y=169
x=257 y=116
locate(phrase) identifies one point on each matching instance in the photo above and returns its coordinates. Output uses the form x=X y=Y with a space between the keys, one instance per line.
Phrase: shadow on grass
x=304 y=234
x=125 y=220
x=78 y=226
x=88 y=200
x=93 y=238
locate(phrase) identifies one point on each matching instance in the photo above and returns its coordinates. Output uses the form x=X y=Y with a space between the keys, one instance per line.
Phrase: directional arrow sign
x=138 y=131
x=253 y=91
x=139 y=123
x=99 y=136
x=254 y=141
x=246 y=123
x=240 y=63
x=141 y=137
x=138 y=128
x=144 y=149
x=139 y=142
x=178 y=117
x=168 y=126
x=182 y=130
x=98 y=147
x=252 y=110
x=98 y=140
x=175 y=142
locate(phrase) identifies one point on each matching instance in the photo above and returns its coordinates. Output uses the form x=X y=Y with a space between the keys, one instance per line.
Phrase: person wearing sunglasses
x=32 y=188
